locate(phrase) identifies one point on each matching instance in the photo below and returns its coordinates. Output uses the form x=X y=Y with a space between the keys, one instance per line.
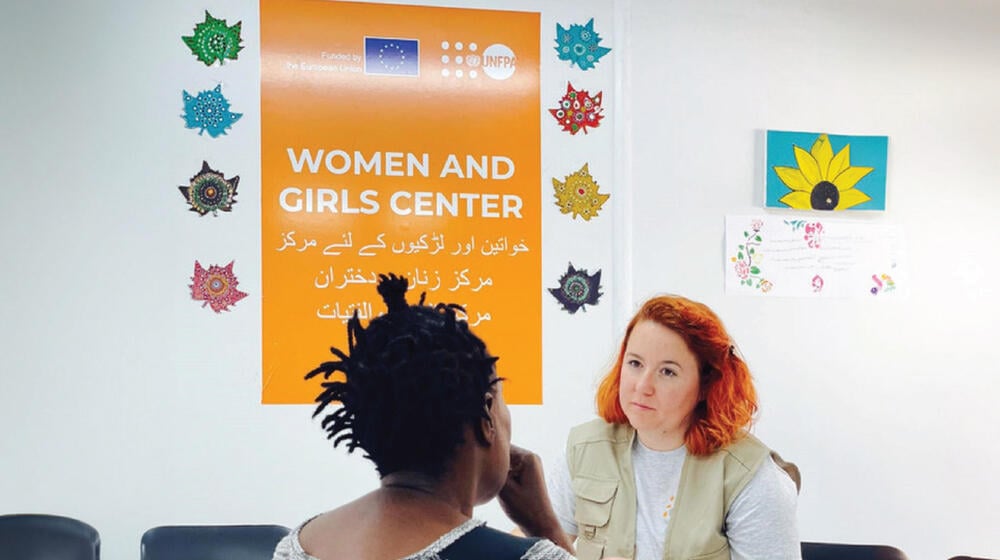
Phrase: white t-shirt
x=760 y=524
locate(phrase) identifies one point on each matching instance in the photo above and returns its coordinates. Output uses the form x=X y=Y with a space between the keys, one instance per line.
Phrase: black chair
x=211 y=542
x=35 y=536
x=839 y=551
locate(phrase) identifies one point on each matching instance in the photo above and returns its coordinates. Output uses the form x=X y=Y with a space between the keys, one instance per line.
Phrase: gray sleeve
x=561 y=494
x=546 y=550
x=286 y=549
x=761 y=522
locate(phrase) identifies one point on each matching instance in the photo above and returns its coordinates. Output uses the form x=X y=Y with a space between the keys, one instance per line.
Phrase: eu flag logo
x=387 y=56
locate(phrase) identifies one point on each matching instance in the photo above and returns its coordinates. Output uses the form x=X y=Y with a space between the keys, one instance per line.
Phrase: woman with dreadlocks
x=420 y=397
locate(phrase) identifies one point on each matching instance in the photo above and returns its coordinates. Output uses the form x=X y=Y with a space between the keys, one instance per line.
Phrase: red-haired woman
x=670 y=471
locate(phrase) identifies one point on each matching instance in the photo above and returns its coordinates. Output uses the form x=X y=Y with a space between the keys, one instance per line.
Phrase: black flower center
x=825 y=196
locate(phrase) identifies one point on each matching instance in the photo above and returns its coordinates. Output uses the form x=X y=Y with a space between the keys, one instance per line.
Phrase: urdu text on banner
x=398 y=139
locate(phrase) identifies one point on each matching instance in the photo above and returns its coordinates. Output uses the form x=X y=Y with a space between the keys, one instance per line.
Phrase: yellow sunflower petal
x=839 y=163
x=808 y=166
x=797 y=199
x=851 y=197
x=822 y=152
x=793 y=179
x=850 y=177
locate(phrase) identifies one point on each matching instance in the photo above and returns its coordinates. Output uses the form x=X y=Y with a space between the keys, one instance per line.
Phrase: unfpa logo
x=499 y=61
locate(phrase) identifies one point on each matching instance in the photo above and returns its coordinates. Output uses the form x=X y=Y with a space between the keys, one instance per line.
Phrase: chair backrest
x=211 y=542
x=35 y=536
x=840 y=551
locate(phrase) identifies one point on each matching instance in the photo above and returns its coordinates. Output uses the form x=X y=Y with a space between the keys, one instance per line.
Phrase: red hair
x=729 y=399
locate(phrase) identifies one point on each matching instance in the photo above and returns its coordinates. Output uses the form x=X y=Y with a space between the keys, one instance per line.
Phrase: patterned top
x=291 y=549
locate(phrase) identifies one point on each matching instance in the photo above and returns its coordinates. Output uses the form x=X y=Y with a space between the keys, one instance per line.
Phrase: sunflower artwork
x=818 y=171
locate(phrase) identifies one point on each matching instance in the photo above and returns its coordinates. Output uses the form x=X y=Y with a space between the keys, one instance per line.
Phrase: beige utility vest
x=600 y=465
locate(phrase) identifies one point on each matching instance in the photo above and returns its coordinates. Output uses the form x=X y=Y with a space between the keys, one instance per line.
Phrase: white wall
x=117 y=410
x=890 y=410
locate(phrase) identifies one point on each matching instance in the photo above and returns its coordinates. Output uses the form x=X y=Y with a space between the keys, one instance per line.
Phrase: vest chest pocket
x=594 y=498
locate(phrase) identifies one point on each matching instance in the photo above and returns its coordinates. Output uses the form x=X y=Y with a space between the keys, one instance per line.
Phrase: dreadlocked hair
x=411 y=383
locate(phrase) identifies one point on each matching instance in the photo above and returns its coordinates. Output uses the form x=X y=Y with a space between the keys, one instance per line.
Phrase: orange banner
x=398 y=139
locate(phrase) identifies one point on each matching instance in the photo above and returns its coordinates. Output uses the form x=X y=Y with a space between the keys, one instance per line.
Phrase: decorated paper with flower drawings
x=784 y=255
